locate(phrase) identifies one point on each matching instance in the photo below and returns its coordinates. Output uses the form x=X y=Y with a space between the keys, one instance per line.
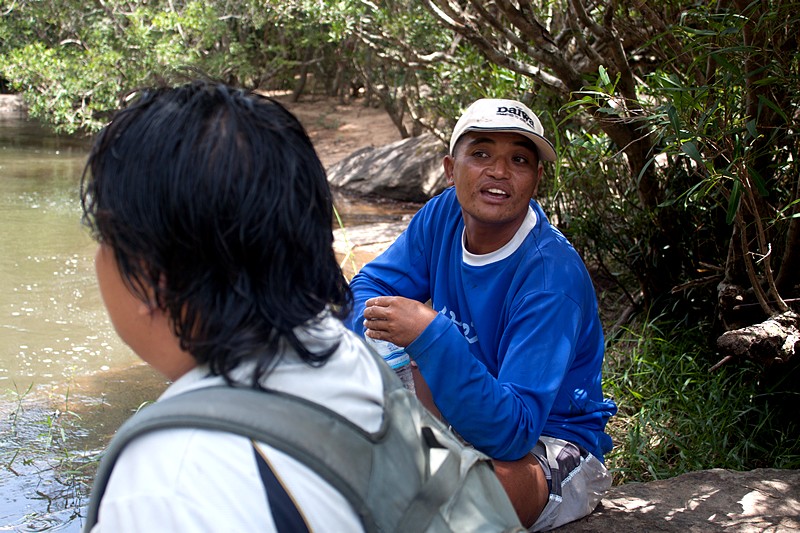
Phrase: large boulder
x=409 y=170
x=703 y=501
x=12 y=106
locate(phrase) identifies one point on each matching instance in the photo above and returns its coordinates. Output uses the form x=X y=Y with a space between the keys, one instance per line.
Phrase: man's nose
x=499 y=168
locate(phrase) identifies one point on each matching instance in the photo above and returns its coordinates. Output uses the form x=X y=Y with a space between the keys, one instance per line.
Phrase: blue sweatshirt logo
x=466 y=329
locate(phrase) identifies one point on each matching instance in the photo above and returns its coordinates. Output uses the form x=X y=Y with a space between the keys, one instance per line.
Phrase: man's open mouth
x=497 y=192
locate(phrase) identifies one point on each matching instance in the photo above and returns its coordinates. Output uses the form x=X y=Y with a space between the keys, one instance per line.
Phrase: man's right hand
x=396 y=319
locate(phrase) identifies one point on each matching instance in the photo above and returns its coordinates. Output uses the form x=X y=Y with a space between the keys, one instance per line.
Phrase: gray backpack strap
x=328 y=443
x=388 y=476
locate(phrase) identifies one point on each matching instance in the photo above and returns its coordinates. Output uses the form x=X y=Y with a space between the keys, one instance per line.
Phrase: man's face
x=124 y=308
x=495 y=176
x=145 y=329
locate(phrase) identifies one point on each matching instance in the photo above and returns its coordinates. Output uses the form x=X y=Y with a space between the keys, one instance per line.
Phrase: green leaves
x=733 y=201
x=690 y=149
x=73 y=60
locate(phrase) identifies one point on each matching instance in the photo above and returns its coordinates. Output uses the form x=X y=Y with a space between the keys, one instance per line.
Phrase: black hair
x=219 y=213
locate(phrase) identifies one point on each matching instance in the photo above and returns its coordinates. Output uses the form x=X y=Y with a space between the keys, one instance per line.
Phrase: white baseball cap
x=491 y=114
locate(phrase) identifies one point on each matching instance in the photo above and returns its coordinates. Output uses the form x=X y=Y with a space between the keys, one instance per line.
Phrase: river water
x=66 y=381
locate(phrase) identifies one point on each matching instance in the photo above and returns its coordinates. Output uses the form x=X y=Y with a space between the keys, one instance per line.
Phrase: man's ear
x=448 y=162
x=144 y=308
x=150 y=307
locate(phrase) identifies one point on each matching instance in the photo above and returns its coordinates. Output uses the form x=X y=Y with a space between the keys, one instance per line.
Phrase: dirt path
x=337 y=130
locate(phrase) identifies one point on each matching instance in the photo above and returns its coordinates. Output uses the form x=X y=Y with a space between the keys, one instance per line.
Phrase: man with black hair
x=511 y=349
x=215 y=262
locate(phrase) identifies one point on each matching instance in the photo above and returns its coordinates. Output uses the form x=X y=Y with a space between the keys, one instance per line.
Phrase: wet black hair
x=219 y=213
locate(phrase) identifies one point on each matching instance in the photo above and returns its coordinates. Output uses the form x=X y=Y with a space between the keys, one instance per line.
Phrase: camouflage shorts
x=577 y=481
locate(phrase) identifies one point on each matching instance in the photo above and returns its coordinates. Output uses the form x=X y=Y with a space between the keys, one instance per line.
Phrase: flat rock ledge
x=371 y=237
x=356 y=246
x=704 y=501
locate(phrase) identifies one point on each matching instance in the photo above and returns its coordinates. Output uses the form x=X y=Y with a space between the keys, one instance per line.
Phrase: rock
x=375 y=236
x=409 y=170
x=704 y=501
x=357 y=245
x=12 y=106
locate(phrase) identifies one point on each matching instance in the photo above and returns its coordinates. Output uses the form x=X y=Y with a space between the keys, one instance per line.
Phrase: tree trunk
x=302 y=77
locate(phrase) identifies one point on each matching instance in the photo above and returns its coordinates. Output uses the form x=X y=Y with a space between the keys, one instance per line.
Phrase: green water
x=60 y=360
x=52 y=320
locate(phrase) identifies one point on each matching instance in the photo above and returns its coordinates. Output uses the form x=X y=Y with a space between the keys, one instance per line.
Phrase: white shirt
x=199 y=480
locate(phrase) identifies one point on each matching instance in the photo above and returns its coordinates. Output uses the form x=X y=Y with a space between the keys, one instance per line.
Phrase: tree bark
x=776 y=340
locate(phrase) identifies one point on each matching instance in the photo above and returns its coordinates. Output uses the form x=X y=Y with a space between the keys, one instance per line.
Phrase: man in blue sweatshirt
x=510 y=349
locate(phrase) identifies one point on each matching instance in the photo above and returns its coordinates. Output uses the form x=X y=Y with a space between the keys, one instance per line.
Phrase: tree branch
x=748 y=263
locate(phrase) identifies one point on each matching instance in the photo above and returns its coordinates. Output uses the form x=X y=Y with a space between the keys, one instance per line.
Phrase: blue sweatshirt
x=517 y=348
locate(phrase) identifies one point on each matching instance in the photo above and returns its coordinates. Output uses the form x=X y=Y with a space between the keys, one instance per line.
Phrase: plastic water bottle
x=397 y=358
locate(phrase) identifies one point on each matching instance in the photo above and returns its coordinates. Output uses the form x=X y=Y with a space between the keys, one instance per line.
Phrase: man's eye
x=521 y=159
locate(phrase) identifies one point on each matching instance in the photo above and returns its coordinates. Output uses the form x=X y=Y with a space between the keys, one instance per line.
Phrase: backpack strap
x=334 y=447
x=285 y=514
